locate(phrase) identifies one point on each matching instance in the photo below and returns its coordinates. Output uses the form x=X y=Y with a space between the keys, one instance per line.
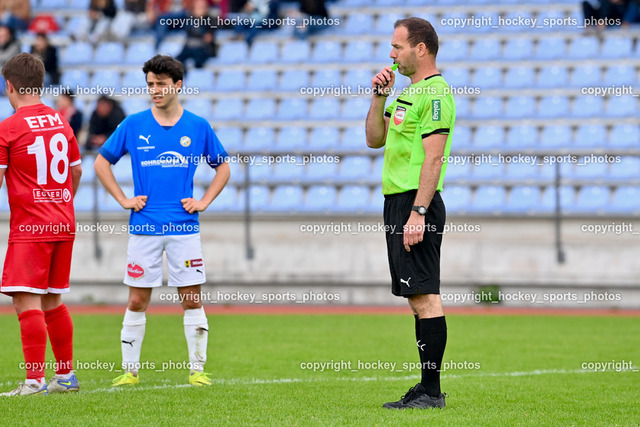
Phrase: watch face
x=422 y=210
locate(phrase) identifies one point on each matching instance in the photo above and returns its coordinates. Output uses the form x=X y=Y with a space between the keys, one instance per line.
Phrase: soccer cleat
x=125 y=379
x=57 y=384
x=417 y=398
x=27 y=389
x=199 y=378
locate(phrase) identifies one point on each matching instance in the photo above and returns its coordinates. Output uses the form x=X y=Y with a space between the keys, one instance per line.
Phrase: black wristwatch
x=420 y=209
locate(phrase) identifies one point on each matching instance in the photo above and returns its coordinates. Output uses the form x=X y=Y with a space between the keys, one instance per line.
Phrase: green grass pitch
x=520 y=370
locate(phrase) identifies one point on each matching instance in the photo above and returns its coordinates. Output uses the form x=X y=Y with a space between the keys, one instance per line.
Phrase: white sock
x=38 y=382
x=131 y=337
x=196 y=330
x=65 y=376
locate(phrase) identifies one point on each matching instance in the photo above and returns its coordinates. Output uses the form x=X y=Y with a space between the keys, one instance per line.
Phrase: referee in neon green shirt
x=415 y=131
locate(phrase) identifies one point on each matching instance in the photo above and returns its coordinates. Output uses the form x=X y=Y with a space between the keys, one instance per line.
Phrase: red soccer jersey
x=37 y=150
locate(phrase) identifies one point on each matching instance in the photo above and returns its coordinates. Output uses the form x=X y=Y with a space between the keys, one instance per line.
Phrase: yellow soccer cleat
x=199 y=378
x=125 y=379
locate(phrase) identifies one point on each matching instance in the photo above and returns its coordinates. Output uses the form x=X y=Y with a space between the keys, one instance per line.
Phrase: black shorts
x=418 y=271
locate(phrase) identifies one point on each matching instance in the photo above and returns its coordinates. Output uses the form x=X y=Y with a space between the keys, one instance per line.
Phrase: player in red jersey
x=40 y=159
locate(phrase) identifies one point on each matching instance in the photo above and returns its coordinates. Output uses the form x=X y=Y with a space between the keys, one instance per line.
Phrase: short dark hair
x=420 y=31
x=164 y=64
x=24 y=71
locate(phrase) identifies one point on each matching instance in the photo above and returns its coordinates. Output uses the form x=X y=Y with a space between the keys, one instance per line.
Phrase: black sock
x=433 y=340
x=418 y=335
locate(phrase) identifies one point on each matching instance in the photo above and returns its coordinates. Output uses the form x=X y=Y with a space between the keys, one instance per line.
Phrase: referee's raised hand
x=382 y=82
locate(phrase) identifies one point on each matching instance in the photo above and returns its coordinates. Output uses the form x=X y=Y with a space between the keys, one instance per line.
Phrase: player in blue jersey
x=166 y=143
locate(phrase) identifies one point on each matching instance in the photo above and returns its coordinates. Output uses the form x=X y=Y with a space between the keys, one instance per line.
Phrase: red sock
x=33 y=332
x=60 y=329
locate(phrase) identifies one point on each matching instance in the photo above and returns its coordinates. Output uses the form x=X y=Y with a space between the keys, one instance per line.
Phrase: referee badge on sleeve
x=398 y=117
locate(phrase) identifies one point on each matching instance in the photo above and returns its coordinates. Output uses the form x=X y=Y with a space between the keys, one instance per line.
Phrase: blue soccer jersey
x=164 y=162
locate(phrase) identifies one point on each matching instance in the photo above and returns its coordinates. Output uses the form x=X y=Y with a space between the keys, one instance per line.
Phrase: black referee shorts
x=418 y=271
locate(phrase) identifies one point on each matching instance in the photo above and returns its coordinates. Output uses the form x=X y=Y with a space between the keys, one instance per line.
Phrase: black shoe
x=417 y=398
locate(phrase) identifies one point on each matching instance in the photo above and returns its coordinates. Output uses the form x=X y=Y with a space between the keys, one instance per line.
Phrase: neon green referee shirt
x=424 y=108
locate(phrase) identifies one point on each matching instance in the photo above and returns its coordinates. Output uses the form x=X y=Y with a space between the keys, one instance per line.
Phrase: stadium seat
x=230 y=81
x=385 y=21
x=358 y=51
x=550 y=48
x=585 y=75
x=521 y=171
x=134 y=79
x=354 y=139
x=620 y=75
x=518 y=48
x=263 y=52
x=461 y=136
x=548 y=203
x=109 y=53
x=200 y=106
x=623 y=106
x=488 y=137
x=77 y=53
x=324 y=109
x=624 y=135
x=227 y=201
x=552 y=77
x=320 y=172
x=325 y=78
x=453 y=50
x=233 y=52
x=591 y=200
x=200 y=79
x=487 y=107
x=463 y=107
x=259 y=198
x=523 y=200
x=518 y=107
x=286 y=198
x=457 y=199
x=354 y=169
x=487 y=171
x=294 y=80
x=583 y=47
x=320 y=199
x=556 y=136
x=230 y=137
x=589 y=106
x=258 y=139
x=260 y=109
x=590 y=171
x=291 y=138
x=357 y=79
x=135 y=105
x=259 y=173
x=488 y=200
x=381 y=53
x=289 y=170
x=590 y=136
x=262 y=80
x=358 y=23
x=228 y=109
x=627 y=170
x=515 y=17
x=626 y=200
x=519 y=77
x=616 y=47
x=553 y=106
x=106 y=78
x=292 y=109
x=355 y=108
x=171 y=48
x=550 y=14
x=457 y=76
x=75 y=78
x=353 y=198
x=296 y=51
x=522 y=136
x=138 y=51
x=326 y=51
x=443 y=25
x=323 y=138
x=485 y=49
x=458 y=172
x=487 y=78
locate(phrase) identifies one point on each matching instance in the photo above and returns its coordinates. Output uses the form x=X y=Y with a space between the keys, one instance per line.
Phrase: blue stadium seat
x=457 y=76
x=625 y=200
x=622 y=106
x=77 y=53
x=519 y=77
x=106 y=78
x=590 y=106
x=567 y=199
x=292 y=109
x=262 y=52
x=289 y=171
x=294 y=80
x=355 y=108
x=388 y=3
x=585 y=75
x=230 y=81
x=447 y=18
x=326 y=78
x=590 y=136
x=590 y=171
x=233 y=52
x=354 y=138
x=326 y=51
x=200 y=106
x=458 y=172
x=485 y=49
x=286 y=198
x=620 y=75
x=523 y=200
x=548 y=15
x=135 y=105
x=323 y=139
x=461 y=136
x=296 y=51
x=627 y=170
x=358 y=23
x=171 y=48
x=624 y=135
x=385 y=21
x=514 y=17
x=463 y=107
x=203 y=175
x=518 y=107
x=321 y=172
x=457 y=199
x=262 y=80
x=382 y=52
x=260 y=109
x=553 y=106
x=522 y=136
x=230 y=137
x=453 y=50
x=109 y=53
x=358 y=51
x=259 y=139
x=75 y=78
x=487 y=78
x=324 y=108
x=137 y=52
x=488 y=137
x=228 y=109
x=556 y=136
x=488 y=200
x=201 y=79
x=357 y=78
x=355 y=169
x=553 y=77
x=550 y=48
x=353 y=198
x=259 y=198
x=134 y=79
x=487 y=107
x=291 y=138
x=616 y=47
x=583 y=47
x=488 y=171
x=521 y=171
x=518 y=48
x=227 y=201
x=320 y=199
x=591 y=200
